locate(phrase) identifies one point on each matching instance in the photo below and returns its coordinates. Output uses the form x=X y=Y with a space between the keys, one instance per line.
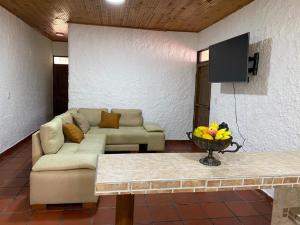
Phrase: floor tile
x=250 y=195
x=107 y=201
x=216 y=210
x=268 y=217
x=159 y=199
x=10 y=166
x=14 y=182
x=104 y=216
x=6 y=174
x=254 y=220
x=208 y=197
x=185 y=198
x=18 y=205
x=76 y=217
x=227 y=196
x=190 y=212
x=163 y=213
x=241 y=208
x=142 y=215
x=61 y=207
x=139 y=200
x=262 y=208
x=227 y=221
x=4 y=203
x=198 y=222
x=14 y=219
x=169 y=223
x=23 y=174
x=24 y=193
x=46 y=218
x=9 y=192
x=221 y=196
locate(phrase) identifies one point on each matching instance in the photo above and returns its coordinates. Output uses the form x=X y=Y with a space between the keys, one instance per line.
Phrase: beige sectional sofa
x=64 y=172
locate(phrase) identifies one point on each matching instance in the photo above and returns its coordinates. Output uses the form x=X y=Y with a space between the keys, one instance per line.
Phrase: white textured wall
x=25 y=79
x=269 y=106
x=128 y=68
x=60 y=48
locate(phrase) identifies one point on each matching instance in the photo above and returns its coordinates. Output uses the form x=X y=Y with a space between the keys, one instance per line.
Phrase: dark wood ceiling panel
x=51 y=16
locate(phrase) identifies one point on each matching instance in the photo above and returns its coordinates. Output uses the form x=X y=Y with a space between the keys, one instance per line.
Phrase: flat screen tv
x=228 y=60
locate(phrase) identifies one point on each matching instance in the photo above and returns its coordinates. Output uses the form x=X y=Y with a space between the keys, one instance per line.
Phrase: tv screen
x=228 y=60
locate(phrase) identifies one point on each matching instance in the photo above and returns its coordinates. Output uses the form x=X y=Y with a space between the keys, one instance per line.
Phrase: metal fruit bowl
x=212 y=146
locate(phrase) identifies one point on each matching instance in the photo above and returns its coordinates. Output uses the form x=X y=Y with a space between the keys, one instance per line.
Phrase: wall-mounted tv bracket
x=253 y=64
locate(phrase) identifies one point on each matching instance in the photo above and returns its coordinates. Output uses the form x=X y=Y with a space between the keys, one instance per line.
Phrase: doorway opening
x=60 y=84
x=202 y=90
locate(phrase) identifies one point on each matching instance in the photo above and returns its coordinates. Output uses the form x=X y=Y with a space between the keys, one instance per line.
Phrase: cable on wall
x=236 y=118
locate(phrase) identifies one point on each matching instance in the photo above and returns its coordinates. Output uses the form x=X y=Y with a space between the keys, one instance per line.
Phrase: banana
x=214 y=126
x=221 y=131
x=225 y=138
x=218 y=136
x=227 y=133
x=198 y=133
x=207 y=137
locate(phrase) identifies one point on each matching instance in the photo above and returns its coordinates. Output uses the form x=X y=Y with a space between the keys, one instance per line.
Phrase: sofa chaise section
x=132 y=133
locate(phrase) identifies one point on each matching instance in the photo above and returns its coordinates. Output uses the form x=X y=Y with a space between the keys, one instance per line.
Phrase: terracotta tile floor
x=214 y=208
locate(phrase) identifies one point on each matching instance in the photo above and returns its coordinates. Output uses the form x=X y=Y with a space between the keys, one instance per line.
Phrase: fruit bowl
x=212 y=146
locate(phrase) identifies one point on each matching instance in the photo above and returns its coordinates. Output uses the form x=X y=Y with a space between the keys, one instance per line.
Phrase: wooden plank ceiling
x=52 y=16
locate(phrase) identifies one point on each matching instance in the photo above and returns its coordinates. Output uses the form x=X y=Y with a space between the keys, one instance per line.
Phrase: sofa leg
x=143 y=148
x=89 y=205
x=39 y=207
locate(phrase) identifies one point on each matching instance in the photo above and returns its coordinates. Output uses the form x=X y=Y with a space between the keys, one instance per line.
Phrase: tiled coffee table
x=125 y=175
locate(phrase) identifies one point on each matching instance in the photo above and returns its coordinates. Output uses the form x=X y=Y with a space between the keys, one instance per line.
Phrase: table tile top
x=182 y=172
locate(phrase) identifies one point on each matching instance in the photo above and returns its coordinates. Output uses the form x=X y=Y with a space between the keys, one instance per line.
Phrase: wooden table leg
x=125 y=209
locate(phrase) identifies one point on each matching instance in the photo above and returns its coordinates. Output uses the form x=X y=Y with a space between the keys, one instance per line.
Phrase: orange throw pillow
x=73 y=133
x=110 y=120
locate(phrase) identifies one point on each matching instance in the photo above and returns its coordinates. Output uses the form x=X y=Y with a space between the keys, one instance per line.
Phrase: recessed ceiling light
x=115 y=2
x=59 y=34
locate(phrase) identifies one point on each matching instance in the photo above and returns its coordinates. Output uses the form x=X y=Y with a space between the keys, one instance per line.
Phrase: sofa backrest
x=66 y=117
x=130 y=117
x=93 y=116
x=52 y=137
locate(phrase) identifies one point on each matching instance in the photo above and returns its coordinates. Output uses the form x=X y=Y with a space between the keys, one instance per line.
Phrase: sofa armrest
x=37 y=150
x=65 y=162
x=152 y=127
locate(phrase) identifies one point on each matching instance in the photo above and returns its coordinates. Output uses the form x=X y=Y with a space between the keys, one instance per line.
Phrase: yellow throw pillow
x=110 y=120
x=73 y=133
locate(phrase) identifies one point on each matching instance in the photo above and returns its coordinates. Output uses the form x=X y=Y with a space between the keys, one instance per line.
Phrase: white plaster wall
x=128 y=68
x=60 y=48
x=25 y=79
x=268 y=107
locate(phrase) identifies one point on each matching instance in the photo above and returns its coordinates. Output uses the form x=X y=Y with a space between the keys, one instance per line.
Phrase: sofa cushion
x=52 y=137
x=156 y=141
x=66 y=117
x=130 y=117
x=123 y=135
x=92 y=144
x=93 y=116
x=72 y=110
x=65 y=162
x=152 y=127
x=68 y=148
x=81 y=122
x=73 y=133
x=110 y=120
